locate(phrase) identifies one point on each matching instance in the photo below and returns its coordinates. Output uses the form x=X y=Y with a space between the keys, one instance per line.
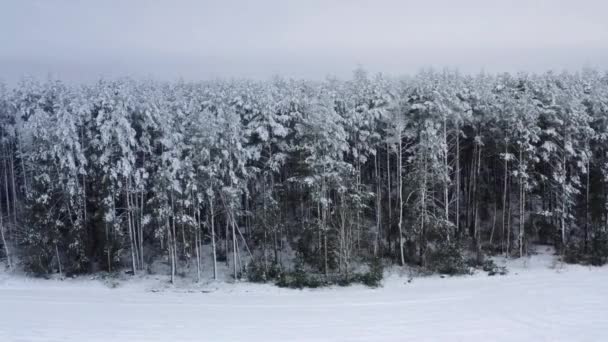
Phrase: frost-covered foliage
x=329 y=174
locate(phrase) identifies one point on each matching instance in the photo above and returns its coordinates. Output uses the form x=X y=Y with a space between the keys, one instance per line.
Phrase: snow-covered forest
x=282 y=175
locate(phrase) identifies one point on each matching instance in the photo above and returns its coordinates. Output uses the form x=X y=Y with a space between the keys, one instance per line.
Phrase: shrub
x=447 y=258
x=493 y=269
x=547 y=232
x=38 y=258
x=257 y=273
x=599 y=249
x=220 y=255
x=573 y=253
x=299 y=278
x=373 y=277
x=596 y=254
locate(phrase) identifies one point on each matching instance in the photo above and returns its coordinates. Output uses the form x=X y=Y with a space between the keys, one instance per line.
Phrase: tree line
x=330 y=174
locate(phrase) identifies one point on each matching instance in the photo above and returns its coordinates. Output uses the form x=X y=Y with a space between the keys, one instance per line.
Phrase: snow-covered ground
x=539 y=300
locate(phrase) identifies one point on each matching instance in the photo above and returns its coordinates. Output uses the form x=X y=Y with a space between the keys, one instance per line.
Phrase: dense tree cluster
x=121 y=173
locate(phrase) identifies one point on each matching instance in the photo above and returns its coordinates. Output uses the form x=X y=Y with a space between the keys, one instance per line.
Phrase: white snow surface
x=539 y=300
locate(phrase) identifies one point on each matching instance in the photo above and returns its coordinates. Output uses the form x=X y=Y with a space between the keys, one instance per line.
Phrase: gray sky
x=83 y=40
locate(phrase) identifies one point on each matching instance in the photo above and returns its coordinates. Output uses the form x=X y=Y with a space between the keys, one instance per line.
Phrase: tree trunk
x=446 y=187
x=213 y=248
x=509 y=233
x=6 y=190
x=504 y=200
x=399 y=168
x=324 y=229
x=141 y=219
x=58 y=261
x=378 y=206
x=476 y=207
x=423 y=199
x=325 y=253
x=493 y=223
x=343 y=243
x=587 y=218
x=130 y=228
x=25 y=186
x=458 y=178
x=388 y=197
x=197 y=240
x=5 y=245
x=226 y=243
x=234 y=250
x=173 y=239
x=14 y=188
x=521 y=206
x=170 y=248
x=563 y=215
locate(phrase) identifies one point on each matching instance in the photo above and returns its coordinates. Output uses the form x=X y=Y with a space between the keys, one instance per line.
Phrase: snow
x=539 y=300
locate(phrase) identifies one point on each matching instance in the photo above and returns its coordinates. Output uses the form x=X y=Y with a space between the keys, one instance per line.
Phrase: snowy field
x=539 y=300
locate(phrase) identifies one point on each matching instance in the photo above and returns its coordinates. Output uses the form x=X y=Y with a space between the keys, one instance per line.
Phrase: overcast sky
x=83 y=40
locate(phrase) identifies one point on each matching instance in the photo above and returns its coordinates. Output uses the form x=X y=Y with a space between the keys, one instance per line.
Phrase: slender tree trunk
x=5 y=245
x=388 y=197
x=319 y=217
x=6 y=191
x=563 y=215
x=108 y=242
x=343 y=243
x=170 y=248
x=358 y=187
x=324 y=229
x=275 y=244
x=562 y=221
x=264 y=222
x=399 y=168
x=226 y=242
x=458 y=178
x=587 y=218
x=141 y=218
x=84 y=190
x=476 y=206
x=213 y=248
x=238 y=252
x=468 y=186
x=23 y=169
x=522 y=223
x=130 y=228
x=493 y=223
x=134 y=224
x=14 y=188
x=84 y=202
x=423 y=199
x=504 y=199
x=198 y=256
x=183 y=230
x=58 y=261
x=509 y=233
x=446 y=187
x=521 y=206
x=325 y=251
x=378 y=206
x=197 y=240
x=173 y=239
x=234 y=250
